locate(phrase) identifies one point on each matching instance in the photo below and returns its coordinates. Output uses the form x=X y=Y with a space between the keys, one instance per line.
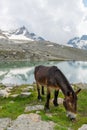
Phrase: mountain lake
x=22 y=72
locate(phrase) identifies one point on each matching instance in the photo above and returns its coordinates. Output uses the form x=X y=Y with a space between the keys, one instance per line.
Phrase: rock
x=82 y=85
x=37 y=112
x=48 y=114
x=8 y=89
x=27 y=88
x=4 y=93
x=14 y=95
x=32 y=108
x=84 y=127
x=60 y=100
x=4 y=122
x=25 y=94
x=30 y=122
x=30 y=87
x=14 y=53
x=11 y=102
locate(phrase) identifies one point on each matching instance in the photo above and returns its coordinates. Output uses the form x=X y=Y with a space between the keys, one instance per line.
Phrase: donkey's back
x=45 y=75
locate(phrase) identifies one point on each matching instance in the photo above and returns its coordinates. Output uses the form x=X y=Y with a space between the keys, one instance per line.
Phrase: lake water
x=21 y=72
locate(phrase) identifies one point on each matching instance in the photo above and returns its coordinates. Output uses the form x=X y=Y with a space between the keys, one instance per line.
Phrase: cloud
x=55 y=20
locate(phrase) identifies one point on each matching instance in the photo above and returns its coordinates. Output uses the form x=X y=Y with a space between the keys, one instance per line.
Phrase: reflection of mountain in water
x=26 y=77
x=17 y=72
x=75 y=72
x=77 y=64
x=2 y=75
x=18 y=76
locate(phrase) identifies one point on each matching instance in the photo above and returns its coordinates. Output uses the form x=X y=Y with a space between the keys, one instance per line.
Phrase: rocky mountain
x=21 y=33
x=78 y=42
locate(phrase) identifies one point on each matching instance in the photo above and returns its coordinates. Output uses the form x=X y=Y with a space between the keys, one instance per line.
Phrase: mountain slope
x=78 y=42
x=39 y=51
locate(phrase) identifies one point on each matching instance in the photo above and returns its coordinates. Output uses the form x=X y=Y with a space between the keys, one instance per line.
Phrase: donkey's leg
x=38 y=90
x=55 y=97
x=42 y=90
x=48 y=98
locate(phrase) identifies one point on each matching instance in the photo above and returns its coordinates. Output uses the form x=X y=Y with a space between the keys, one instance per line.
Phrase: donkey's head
x=70 y=104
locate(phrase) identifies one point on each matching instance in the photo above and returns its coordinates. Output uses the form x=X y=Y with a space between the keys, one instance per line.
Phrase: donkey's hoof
x=46 y=109
x=55 y=103
x=40 y=98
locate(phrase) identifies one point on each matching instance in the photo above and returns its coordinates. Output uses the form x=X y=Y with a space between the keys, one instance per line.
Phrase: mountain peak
x=22 y=33
x=84 y=37
x=22 y=30
x=23 y=27
x=78 y=42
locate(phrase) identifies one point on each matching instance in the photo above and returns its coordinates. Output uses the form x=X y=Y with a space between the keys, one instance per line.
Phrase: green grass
x=59 y=114
x=13 y=107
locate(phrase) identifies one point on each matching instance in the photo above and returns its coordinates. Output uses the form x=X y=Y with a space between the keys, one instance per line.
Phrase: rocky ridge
x=39 y=51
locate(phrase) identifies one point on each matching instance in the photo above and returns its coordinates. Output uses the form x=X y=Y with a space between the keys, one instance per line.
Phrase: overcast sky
x=55 y=20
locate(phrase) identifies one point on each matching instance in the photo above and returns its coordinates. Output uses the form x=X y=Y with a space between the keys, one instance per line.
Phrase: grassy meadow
x=12 y=107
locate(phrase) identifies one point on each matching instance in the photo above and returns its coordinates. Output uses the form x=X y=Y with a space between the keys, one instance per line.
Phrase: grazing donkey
x=52 y=77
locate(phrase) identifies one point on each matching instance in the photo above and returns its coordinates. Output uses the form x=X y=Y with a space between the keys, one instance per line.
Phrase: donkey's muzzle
x=72 y=116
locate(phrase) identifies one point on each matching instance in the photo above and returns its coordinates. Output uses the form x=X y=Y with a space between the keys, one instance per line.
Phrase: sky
x=55 y=20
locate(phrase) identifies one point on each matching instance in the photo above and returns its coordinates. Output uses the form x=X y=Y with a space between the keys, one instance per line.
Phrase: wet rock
x=84 y=127
x=35 y=107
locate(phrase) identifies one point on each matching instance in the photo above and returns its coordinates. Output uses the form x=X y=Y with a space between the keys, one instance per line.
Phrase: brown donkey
x=52 y=77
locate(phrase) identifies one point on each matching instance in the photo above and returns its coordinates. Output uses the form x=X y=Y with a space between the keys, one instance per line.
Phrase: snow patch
x=19 y=37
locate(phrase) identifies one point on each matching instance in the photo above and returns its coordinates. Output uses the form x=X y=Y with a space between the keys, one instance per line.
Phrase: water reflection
x=22 y=72
x=76 y=72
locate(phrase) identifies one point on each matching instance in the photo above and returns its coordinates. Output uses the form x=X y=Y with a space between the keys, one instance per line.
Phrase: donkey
x=52 y=77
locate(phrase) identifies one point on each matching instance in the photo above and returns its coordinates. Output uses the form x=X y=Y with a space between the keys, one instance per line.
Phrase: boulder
x=25 y=94
x=4 y=122
x=34 y=108
x=27 y=88
x=14 y=95
x=84 y=127
x=4 y=93
x=30 y=122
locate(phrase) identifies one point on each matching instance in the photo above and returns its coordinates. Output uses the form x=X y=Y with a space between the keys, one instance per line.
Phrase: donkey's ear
x=78 y=91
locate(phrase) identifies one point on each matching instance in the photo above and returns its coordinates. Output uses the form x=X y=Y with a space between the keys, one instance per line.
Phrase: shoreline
x=79 y=85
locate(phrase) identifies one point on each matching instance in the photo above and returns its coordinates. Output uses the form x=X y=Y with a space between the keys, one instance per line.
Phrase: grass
x=59 y=114
x=13 y=107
